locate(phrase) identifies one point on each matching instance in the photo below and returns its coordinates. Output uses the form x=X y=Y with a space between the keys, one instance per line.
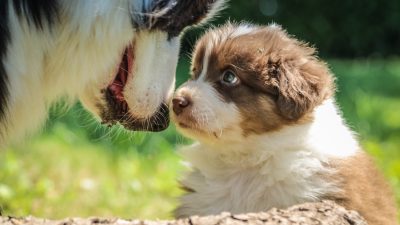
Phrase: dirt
x=325 y=212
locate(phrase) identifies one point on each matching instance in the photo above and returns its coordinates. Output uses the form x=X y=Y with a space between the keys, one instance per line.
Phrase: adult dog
x=118 y=56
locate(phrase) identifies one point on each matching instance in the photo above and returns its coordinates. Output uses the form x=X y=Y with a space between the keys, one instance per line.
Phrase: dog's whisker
x=122 y=9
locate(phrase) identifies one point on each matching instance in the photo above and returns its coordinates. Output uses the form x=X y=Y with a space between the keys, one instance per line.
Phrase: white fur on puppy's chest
x=277 y=169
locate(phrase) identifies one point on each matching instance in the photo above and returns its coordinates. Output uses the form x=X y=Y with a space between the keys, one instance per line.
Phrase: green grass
x=78 y=168
x=61 y=174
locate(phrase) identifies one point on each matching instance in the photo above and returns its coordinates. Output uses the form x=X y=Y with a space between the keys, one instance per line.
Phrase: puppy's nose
x=179 y=103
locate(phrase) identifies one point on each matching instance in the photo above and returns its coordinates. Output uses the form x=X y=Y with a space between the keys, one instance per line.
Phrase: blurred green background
x=76 y=167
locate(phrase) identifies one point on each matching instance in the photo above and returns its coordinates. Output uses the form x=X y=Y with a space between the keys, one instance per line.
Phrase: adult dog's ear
x=302 y=84
x=175 y=15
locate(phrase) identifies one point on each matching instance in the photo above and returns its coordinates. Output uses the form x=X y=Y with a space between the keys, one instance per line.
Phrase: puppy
x=269 y=134
x=119 y=56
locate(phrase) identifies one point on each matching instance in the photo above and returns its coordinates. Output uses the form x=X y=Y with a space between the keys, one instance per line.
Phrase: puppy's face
x=249 y=80
x=137 y=89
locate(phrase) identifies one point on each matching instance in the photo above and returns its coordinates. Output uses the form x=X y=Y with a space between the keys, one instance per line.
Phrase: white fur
x=206 y=61
x=229 y=31
x=158 y=61
x=43 y=65
x=218 y=6
x=212 y=115
x=258 y=172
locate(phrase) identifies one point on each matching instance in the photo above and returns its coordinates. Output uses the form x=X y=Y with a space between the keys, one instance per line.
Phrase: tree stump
x=325 y=212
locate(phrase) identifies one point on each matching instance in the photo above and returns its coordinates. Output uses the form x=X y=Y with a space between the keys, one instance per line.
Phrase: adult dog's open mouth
x=116 y=88
x=118 y=110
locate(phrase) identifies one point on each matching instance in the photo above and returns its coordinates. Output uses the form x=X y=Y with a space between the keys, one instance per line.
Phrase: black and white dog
x=118 y=56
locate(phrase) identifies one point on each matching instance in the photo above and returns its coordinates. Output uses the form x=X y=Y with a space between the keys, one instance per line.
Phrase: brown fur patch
x=281 y=80
x=364 y=190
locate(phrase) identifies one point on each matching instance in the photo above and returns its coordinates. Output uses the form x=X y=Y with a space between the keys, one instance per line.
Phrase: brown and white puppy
x=261 y=106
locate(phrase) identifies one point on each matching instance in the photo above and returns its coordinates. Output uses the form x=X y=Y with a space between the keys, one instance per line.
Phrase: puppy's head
x=138 y=87
x=249 y=80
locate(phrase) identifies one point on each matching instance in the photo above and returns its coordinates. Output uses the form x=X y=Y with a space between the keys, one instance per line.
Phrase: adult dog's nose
x=179 y=103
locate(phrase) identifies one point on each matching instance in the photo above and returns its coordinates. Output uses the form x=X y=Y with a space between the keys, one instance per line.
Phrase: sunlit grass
x=55 y=177
x=78 y=168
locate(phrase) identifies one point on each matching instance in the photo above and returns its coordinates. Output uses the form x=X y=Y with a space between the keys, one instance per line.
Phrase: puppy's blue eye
x=229 y=78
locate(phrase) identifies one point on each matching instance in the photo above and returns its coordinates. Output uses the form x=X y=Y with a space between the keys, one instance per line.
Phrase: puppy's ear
x=302 y=85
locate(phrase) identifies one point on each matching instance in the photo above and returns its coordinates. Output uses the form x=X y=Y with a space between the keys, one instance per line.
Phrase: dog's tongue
x=125 y=68
x=117 y=87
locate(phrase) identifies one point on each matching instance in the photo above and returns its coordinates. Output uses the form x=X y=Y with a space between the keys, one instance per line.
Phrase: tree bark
x=325 y=212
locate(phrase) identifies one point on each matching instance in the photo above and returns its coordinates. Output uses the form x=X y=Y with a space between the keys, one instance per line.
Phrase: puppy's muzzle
x=180 y=104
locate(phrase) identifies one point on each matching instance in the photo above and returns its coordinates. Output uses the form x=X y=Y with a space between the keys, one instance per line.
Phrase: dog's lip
x=159 y=121
x=114 y=113
x=184 y=125
x=117 y=109
x=188 y=125
x=183 y=121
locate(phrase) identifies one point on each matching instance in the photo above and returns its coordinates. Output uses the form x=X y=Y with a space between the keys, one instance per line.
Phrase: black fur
x=184 y=13
x=4 y=40
x=38 y=12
